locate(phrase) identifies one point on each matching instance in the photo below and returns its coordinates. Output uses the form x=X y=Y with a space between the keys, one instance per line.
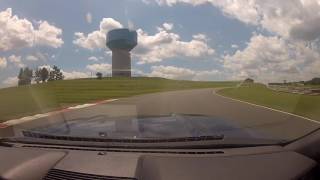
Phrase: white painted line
x=38 y=116
x=266 y=108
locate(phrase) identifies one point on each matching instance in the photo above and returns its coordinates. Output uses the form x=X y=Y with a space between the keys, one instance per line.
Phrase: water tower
x=121 y=42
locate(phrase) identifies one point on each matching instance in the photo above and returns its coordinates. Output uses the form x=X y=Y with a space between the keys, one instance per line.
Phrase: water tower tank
x=121 y=42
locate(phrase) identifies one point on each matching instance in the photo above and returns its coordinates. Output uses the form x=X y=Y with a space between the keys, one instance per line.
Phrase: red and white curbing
x=37 y=116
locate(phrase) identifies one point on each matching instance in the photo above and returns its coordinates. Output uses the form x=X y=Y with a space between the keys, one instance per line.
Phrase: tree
x=55 y=74
x=20 y=73
x=25 y=76
x=99 y=75
x=249 y=80
x=314 y=81
x=44 y=74
x=51 y=76
x=37 y=75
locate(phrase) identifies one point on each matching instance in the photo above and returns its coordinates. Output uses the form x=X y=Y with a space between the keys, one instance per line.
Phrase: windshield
x=155 y=71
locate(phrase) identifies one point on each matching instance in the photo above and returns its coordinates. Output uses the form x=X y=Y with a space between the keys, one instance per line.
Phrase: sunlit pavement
x=204 y=102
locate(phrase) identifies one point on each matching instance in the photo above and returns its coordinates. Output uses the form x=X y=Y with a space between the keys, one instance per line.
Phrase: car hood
x=145 y=127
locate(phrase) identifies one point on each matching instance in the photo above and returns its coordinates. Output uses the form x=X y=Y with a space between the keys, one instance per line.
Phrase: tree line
x=26 y=75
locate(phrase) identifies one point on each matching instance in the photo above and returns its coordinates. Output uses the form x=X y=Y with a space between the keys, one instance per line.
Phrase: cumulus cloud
x=19 y=33
x=103 y=67
x=168 y=26
x=295 y=18
x=306 y=31
x=165 y=44
x=47 y=35
x=180 y=73
x=96 y=39
x=48 y=67
x=210 y=75
x=16 y=60
x=272 y=59
x=234 y=8
x=171 y=72
x=93 y=58
x=234 y=46
x=151 y=48
x=292 y=53
x=75 y=75
x=32 y=58
x=3 y=62
x=10 y=81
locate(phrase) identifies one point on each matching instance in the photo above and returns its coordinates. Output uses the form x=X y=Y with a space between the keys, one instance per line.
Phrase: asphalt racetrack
x=201 y=101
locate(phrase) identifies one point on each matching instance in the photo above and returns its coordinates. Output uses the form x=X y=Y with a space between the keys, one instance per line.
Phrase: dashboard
x=29 y=161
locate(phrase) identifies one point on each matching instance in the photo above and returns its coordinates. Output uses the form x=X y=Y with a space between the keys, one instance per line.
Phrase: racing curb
x=62 y=110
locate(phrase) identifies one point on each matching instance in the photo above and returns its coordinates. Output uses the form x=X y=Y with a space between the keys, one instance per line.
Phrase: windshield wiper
x=3 y=143
x=122 y=140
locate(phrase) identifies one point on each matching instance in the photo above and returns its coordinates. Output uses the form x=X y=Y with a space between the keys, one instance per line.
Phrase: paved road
x=203 y=101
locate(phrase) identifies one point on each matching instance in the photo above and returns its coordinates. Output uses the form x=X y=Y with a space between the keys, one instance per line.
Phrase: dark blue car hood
x=166 y=126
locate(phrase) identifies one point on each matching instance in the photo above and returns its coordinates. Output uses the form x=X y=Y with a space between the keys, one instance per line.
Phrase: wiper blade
x=120 y=140
x=3 y=142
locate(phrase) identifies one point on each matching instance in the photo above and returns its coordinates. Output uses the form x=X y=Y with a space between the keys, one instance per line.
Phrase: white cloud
x=89 y=18
x=96 y=39
x=18 y=33
x=48 y=35
x=210 y=75
x=168 y=26
x=172 y=72
x=151 y=48
x=292 y=53
x=3 y=62
x=137 y=72
x=42 y=56
x=245 y=10
x=93 y=58
x=200 y=36
x=32 y=58
x=10 y=81
x=68 y=74
x=164 y=45
x=108 y=53
x=273 y=59
x=75 y=75
x=16 y=60
x=234 y=46
x=103 y=67
x=48 y=67
x=298 y=19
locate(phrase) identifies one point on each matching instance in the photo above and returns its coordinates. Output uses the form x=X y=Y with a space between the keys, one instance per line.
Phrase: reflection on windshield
x=170 y=126
x=154 y=70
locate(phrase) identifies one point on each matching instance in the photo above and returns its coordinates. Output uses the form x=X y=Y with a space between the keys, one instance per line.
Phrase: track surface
x=202 y=101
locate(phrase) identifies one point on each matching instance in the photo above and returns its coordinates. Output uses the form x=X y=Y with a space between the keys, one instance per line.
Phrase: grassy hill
x=304 y=105
x=28 y=100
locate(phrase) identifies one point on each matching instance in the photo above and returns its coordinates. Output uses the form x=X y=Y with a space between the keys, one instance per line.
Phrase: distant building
x=248 y=80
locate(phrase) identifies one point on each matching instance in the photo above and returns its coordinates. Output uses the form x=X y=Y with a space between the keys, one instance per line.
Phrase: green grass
x=304 y=105
x=17 y=102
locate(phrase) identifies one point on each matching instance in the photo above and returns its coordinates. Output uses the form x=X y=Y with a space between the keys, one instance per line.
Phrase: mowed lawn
x=18 y=102
x=304 y=105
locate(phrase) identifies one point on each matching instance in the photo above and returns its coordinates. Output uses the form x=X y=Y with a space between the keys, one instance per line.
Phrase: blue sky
x=179 y=39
